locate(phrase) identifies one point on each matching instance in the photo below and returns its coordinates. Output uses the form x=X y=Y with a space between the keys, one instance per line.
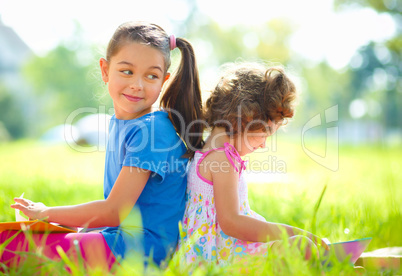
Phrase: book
x=347 y=249
x=35 y=226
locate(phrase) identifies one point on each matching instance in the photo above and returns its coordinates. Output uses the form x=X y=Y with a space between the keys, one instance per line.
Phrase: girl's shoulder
x=160 y=121
x=157 y=120
x=157 y=117
x=226 y=156
x=155 y=127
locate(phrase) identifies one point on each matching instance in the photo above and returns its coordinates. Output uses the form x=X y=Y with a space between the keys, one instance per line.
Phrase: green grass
x=362 y=199
x=52 y=174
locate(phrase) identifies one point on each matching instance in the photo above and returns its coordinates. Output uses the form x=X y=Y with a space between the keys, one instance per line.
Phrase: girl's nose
x=136 y=84
x=263 y=144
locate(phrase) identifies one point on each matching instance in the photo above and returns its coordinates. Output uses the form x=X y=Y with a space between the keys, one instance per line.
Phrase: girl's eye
x=127 y=72
x=152 y=77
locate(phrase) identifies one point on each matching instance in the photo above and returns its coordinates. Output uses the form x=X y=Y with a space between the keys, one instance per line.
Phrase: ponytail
x=182 y=99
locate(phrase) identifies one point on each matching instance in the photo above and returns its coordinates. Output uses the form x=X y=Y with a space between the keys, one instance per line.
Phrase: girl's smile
x=132 y=98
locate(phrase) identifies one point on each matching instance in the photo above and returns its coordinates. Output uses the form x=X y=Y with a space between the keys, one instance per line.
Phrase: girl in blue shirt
x=146 y=158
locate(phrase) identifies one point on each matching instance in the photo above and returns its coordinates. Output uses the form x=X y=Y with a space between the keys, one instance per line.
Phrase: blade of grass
x=316 y=207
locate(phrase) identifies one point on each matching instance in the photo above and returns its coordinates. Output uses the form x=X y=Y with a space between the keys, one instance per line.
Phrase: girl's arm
x=225 y=183
x=109 y=212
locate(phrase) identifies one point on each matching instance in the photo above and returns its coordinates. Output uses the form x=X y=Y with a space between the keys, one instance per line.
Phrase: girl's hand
x=30 y=209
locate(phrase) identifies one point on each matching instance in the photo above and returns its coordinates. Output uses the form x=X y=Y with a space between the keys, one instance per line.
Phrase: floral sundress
x=201 y=235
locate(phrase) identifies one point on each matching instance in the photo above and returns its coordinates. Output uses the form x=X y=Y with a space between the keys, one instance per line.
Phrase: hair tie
x=172 y=41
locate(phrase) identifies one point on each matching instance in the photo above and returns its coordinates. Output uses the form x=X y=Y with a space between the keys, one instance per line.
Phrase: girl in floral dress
x=249 y=103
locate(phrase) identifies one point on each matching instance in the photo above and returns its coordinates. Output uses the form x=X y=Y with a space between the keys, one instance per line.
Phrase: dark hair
x=182 y=96
x=249 y=95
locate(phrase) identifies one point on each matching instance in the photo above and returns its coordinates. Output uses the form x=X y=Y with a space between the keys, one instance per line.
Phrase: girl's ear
x=104 y=66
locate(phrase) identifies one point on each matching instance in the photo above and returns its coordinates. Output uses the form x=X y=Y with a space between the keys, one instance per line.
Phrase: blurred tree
x=216 y=44
x=388 y=6
x=65 y=79
x=376 y=79
x=268 y=42
x=321 y=85
x=62 y=82
x=11 y=118
x=321 y=88
x=377 y=67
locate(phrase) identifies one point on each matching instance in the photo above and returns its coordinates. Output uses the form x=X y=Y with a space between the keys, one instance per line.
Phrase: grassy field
x=362 y=197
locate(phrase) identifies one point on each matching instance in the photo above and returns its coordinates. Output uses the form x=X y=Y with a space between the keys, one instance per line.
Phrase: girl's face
x=135 y=76
x=251 y=140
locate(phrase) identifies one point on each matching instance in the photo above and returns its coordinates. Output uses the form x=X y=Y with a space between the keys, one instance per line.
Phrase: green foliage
x=377 y=77
x=268 y=42
x=387 y=6
x=11 y=121
x=64 y=80
x=323 y=87
x=361 y=200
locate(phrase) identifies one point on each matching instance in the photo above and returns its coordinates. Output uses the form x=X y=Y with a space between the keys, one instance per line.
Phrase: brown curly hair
x=248 y=95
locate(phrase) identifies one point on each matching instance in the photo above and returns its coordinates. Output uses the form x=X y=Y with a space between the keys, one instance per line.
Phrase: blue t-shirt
x=149 y=142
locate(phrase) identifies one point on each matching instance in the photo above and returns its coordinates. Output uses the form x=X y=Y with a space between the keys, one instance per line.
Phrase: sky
x=321 y=33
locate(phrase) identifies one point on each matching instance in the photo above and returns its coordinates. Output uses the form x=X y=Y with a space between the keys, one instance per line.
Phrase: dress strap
x=231 y=153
